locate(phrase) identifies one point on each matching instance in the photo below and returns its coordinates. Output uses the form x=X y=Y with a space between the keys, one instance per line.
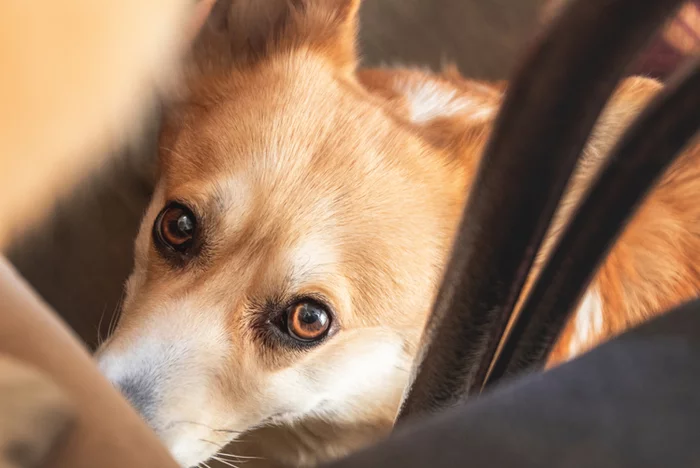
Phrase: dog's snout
x=140 y=392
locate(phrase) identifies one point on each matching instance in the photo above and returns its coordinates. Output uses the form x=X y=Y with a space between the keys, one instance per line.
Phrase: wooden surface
x=79 y=258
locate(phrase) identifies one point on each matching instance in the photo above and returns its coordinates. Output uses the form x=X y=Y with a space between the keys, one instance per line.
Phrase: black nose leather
x=140 y=392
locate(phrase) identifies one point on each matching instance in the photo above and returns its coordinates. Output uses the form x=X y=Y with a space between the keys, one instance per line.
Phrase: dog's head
x=293 y=246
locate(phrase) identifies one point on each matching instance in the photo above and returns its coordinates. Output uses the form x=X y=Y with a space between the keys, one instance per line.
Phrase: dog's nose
x=140 y=392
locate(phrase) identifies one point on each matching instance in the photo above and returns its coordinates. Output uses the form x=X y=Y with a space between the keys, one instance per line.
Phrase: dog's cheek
x=360 y=368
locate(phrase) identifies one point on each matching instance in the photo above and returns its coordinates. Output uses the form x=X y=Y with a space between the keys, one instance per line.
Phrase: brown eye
x=175 y=227
x=307 y=321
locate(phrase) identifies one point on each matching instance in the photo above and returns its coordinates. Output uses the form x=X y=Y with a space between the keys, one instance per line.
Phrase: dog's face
x=291 y=251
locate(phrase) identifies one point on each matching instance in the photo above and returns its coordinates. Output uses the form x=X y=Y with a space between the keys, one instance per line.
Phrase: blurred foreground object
x=678 y=40
x=78 y=76
x=78 y=79
x=107 y=432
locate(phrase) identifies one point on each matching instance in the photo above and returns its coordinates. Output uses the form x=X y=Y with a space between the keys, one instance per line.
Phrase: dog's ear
x=446 y=109
x=247 y=30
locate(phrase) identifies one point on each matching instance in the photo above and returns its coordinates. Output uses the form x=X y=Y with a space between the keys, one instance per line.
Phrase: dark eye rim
x=185 y=250
x=279 y=322
x=316 y=304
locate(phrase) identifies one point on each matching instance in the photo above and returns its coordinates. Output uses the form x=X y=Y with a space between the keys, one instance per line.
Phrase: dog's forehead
x=313 y=178
x=287 y=164
x=278 y=117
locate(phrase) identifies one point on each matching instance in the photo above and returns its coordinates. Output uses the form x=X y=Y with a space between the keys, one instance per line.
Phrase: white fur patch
x=429 y=100
x=173 y=355
x=588 y=322
x=183 y=331
x=315 y=261
x=348 y=380
x=312 y=259
x=235 y=194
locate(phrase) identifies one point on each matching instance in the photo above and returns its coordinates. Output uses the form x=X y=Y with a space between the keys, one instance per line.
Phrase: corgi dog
x=303 y=215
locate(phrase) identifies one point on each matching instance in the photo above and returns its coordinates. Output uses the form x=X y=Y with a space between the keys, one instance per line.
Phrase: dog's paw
x=34 y=413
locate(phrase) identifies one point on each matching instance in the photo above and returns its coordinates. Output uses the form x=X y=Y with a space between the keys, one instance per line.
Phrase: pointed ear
x=251 y=29
x=446 y=109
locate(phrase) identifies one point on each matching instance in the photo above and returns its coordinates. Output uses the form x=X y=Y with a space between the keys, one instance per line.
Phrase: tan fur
x=312 y=178
x=653 y=266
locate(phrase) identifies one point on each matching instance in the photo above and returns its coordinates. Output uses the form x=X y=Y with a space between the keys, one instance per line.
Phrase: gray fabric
x=634 y=402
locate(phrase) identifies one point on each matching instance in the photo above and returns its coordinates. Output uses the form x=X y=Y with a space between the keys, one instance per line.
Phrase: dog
x=303 y=215
x=78 y=76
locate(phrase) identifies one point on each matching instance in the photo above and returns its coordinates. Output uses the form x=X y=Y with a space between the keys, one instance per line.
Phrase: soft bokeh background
x=80 y=256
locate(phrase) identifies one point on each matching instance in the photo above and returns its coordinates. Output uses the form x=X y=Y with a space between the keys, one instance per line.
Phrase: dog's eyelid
x=190 y=204
x=322 y=299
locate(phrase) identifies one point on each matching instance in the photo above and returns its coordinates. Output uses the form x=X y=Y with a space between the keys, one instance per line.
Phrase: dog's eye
x=308 y=321
x=175 y=227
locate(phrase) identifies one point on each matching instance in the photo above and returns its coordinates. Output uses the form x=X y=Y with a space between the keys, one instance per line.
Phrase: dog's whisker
x=194 y=423
x=228 y=456
x=226 y=431
x=241 y=457
x=99 y=327
x=115 y=315
x=213 y=443
x=225 y=462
